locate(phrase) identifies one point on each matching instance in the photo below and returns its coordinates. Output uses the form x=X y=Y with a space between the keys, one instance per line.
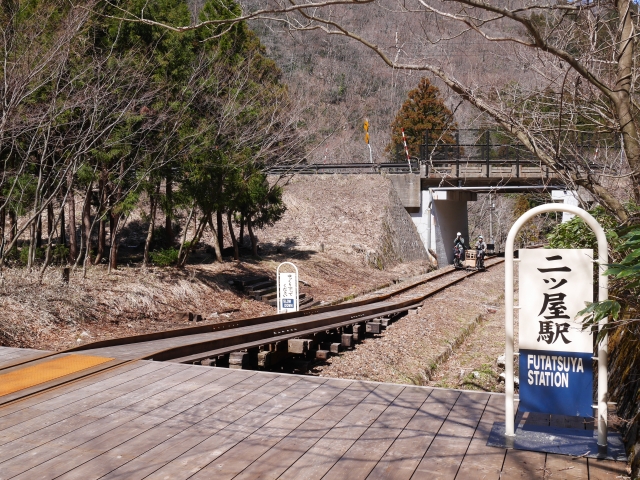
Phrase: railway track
x=252 y=342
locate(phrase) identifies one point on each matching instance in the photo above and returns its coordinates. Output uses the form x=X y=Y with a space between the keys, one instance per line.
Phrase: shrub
x=24 y=254
x=59 y=253
x=165 y=257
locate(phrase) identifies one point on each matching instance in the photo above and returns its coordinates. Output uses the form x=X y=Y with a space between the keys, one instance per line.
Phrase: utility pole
x=366 y=139
x=406 y=150
x=492 y=207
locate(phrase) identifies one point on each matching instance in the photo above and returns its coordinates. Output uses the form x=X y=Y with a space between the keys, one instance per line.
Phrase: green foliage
x=59 y=253
x=625 y=276
x=165 y=257
x=624 y=272
x=86 y=174
x=198 y=109
x=24 y=255
x=577 y=234
x=424 y=110
x=20 y=192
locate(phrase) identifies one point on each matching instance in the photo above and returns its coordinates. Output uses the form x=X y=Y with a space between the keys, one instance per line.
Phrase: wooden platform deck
x=10 y=355
x=172 y=421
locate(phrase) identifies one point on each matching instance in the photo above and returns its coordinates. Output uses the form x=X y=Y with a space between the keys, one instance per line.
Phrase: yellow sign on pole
x=366 y=125
x=366 y=137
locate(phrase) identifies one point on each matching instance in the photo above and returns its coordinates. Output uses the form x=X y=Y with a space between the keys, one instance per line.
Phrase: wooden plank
x=141 y=434
x=237 y=455
x=204 y=420
x=273 y=463
x=191 y=462
x=520 y=464
x=444 y=456
x=93 y=384
x=481 y=461
x=10 y=355
x=49 y=456
x=365 y=453
x=55 y=368
x=59 y=381
x=404 y=455
x=535 y=418
x=321 y=457
x=39 y=417
x=84 y=444
x=566 y=467
x=606 y=469
x=187 y=345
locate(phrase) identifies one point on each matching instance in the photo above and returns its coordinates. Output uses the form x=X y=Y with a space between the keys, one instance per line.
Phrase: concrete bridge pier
x=441 y=215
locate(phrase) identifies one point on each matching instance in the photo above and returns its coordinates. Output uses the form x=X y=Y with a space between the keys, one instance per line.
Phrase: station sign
x=288 y=293
x=555 y=361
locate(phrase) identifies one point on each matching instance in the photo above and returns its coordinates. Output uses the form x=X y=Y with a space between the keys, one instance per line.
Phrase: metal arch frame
x=297 y=294
x=603 y=294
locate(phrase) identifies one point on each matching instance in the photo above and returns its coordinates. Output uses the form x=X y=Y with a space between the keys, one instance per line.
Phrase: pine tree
x=424 y=110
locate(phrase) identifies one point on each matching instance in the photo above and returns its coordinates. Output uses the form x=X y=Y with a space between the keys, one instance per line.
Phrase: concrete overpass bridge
x=436 y=186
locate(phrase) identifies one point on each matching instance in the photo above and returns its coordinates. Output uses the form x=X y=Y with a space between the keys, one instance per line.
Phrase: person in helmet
x=458 y=243
x=481 y=249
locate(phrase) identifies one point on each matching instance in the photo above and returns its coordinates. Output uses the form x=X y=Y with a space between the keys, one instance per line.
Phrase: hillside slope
x=369 y=241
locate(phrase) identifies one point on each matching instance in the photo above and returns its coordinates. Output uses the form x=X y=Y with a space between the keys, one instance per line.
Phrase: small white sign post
x=287 y=289
x=554 y=285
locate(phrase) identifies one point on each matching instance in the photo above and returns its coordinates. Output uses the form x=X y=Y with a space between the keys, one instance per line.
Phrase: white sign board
x=288 y=292
x=556 y=370
x=555 y=285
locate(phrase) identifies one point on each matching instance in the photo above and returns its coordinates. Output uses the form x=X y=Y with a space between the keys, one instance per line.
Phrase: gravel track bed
x=406 y=352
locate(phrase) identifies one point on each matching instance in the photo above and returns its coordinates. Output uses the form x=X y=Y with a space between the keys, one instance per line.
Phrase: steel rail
x=184 y=331
x=269 y=329
x=299 y=327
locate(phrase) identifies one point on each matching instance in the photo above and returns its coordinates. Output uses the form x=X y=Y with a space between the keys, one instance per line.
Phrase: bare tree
x=579 y=60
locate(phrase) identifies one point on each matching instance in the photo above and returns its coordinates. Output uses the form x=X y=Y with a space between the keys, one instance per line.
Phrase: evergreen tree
x=423 y=111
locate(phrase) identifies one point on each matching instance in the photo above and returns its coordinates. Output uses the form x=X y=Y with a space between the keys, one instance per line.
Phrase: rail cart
x=471 y=260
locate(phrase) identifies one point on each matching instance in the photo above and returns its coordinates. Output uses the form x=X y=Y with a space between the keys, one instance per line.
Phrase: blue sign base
x=559 y=383
x=563 y=441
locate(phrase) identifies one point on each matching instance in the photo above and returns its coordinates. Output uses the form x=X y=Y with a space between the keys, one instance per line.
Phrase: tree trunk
x=622 y=97
x=184 y=237
x=115 y=225
x=86 y=223
x=48 y=254
x=38 y=232
x=113 y=251
x=32 y=244
x=13 y=225
x=236 y=248
x=73 y=239
x=3 y=221
x=254 y=240
x=220 y=229
x=50 y=220
x=102 y=226
x=199 y=228
x=102 y=240
x=241 y=235
x=3 y=240
x=216 y=246
x=153 y=207
x=63 y=226
x=168 y=227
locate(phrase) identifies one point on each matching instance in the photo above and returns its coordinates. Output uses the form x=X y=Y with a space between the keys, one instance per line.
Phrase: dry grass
x=336 y=211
